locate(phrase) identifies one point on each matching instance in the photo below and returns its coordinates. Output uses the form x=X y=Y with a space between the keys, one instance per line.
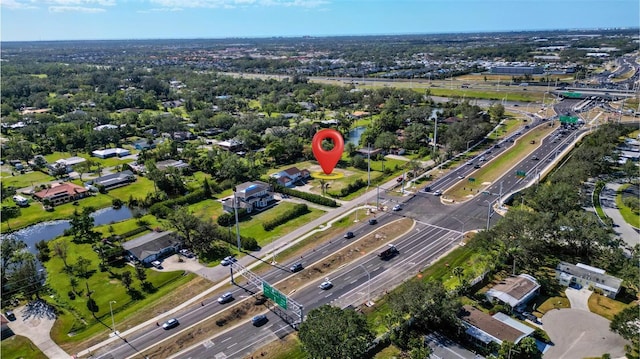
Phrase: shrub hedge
x=313 y=198
x=295 y=212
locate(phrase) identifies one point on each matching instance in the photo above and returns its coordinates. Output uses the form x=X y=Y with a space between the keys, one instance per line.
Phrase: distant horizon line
x=330 y=36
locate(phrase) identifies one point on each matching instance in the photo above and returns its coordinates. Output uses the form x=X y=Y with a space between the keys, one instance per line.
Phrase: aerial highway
x=439 y=227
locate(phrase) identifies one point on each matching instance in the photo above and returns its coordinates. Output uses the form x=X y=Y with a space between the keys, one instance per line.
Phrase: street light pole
x=368 y=283
x=113 y=322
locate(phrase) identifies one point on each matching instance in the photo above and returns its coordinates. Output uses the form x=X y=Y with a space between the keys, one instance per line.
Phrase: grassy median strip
x=487 y=174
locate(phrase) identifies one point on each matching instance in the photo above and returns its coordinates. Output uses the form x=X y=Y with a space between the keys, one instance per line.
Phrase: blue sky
x=27 y=20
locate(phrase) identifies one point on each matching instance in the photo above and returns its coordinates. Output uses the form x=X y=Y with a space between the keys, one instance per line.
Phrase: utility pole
x=368 y=165
x=435 y=135
x=235 y=209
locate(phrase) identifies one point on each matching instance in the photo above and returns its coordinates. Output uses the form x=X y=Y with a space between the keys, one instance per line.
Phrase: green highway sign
x=572 y=94
x=521 y=173
x=568 y=119
x=275 y=295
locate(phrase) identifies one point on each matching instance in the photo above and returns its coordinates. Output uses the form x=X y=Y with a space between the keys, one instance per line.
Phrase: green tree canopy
x=330 y=332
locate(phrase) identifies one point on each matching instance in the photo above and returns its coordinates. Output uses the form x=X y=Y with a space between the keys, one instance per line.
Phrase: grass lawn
x=605 y=306
x=127 y=225
x=26 y=180
x=105 y=287
x=631 y=217
x=253 y=227
x=18 y=347
x=137 y=189
x=544 y=304
x=519 y=95
x=209 y=208
x=496 y=167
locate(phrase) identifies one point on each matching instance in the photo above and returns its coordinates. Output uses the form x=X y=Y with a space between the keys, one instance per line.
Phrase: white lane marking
x=231 y=345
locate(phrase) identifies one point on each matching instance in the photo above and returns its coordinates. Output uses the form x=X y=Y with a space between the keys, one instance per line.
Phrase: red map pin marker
x=328 y=159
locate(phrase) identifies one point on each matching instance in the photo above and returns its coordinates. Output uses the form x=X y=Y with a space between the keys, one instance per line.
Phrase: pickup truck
x=388 y=253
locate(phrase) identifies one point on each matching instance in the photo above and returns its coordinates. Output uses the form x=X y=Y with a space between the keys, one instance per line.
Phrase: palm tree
x=458 y=272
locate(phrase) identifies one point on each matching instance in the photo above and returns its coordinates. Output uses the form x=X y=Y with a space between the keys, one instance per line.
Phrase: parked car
x=225 y=298
x=296 y=267
x=157 y=264
x=326 y=285
x=259 y=320
x=228 y=260
x=9 y=315
x=171 y=323
x=349 y=235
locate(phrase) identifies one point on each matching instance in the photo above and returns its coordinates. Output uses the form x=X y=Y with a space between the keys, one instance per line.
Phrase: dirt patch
x=243 y=311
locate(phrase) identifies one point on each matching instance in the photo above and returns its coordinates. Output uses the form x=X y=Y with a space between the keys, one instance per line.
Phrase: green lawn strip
x=596 y=203
x=209 y=208
x=508 y=126
x=627 y=213
x=492 y=170
x=543 y=303
x=137 y=189
x=105 y=287
x=19 y=347
x=253 y=227
x=604 y=306
x=28 y=179
x=127 y=225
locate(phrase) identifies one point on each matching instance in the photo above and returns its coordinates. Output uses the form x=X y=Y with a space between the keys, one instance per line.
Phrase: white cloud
x=35 y=4
x=237 y=3
x=160 y=9
x=14 y=4
x=76 y=9
x=79 y=2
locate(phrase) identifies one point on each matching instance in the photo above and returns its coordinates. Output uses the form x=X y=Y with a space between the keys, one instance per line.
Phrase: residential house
x=145 y=144
x=251 y=196
x=484 y=328
x=230 y=145
x=111 y=152
x=152 y=246
x=183 y=136
x=114 y=180
x=587 y=276
x=63 y=165
x=514 y=291
x=290 y=176
x=60 y=193
x=163 y=165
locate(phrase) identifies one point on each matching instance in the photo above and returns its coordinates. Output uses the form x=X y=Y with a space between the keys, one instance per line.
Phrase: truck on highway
x=389 y=252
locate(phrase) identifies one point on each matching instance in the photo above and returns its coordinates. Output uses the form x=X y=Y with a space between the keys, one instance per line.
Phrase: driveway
x=35 y=321
x=579 y=298
x=577 y=334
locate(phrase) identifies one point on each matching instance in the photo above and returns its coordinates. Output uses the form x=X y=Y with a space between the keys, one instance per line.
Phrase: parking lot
x=578 y=334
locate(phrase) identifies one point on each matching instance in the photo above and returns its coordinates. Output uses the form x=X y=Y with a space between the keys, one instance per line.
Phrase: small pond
x=49 y=230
